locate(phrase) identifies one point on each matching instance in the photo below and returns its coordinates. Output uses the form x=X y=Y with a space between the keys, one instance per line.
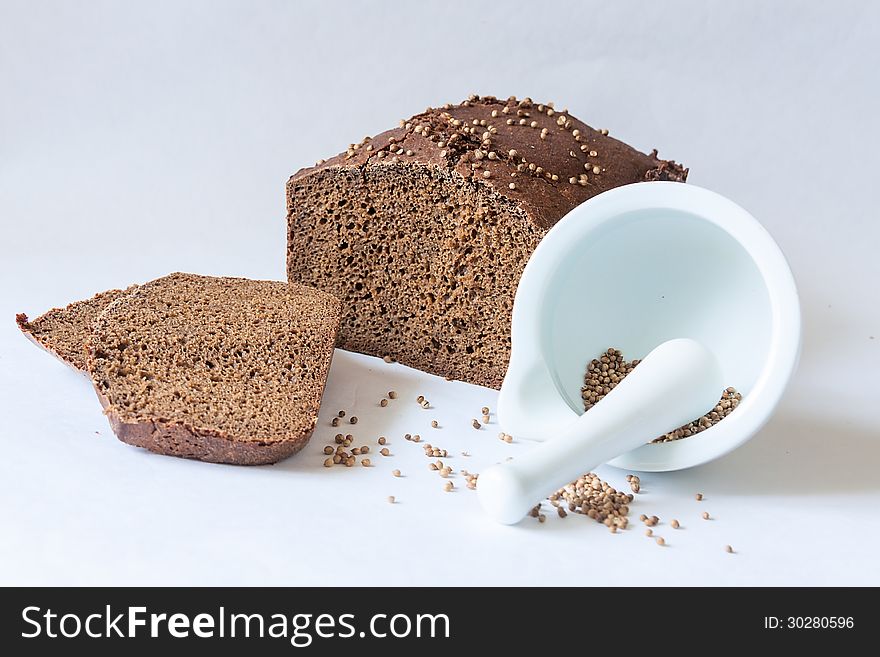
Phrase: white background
x=142 y=138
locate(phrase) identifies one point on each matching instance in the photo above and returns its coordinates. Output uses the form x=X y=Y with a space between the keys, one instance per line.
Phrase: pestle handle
x=678 y=381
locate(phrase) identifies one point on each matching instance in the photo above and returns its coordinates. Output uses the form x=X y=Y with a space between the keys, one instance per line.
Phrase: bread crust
x=181 y=440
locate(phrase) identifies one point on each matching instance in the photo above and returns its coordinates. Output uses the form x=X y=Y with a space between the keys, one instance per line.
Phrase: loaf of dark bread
x=226 y=370
x=423 y=231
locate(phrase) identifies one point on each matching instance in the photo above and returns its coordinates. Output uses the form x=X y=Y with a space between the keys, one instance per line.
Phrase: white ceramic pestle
x=677 y=382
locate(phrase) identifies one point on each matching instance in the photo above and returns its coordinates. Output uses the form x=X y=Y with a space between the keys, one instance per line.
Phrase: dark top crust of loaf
x=162 y=427
x=63 y=332
x=554 y=161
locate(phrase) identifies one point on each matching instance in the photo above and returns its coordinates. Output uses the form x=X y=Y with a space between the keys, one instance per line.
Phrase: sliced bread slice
x=64 y=331
x=226 y=370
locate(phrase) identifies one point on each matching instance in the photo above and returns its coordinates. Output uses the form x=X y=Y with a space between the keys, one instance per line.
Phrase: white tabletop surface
x=136 y=140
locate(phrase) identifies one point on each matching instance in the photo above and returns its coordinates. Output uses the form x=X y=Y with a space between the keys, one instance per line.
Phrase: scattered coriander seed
x=396 y=473
x=655 y=519
x=728 y=549
x=382 y=440
x=337 y=458
x=385 y=451
x=675 y=524
x=705 y=515
x=643 y=517
x=448 y=486
x=365 y=449
x=512 y=186
x=387 y=359
x=328 y=450
x=484 y=410
x=629 y=478
x=593 y=153
x=354 y=419
x=341 y=414
x=649 y=532
x=334 y=422
x=426 y=404
x=435 y=424
x=392 y=394
x=356 y=451
x=432 y=466
x=661 y=541
x=597 y=170
x=699 y=497
x=383 y=403
x=417 y=438
x=475 y=424
x=485 y=419
x=391 y=499
x=328 y=463
x=339 y=438
x=349 y=461
x=561 y=512
x=487 y=174
x=542 y=517
x=365 y=463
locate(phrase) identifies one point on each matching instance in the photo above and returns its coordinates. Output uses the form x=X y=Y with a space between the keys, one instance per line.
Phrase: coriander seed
x=396 y=473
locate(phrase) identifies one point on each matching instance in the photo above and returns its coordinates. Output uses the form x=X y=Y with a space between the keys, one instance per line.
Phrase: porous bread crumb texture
x=421 y=235
x=218 y=369
x=64 y=331
x=608 y=370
